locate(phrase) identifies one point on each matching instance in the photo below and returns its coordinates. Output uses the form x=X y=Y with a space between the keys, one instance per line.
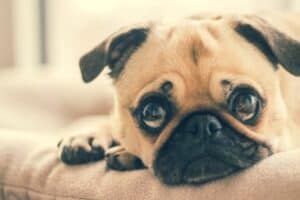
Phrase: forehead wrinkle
x=184 y=48
x=208 y=40
x=195 y=53
x=171 y=33
x=179 y=57
x=196 y=41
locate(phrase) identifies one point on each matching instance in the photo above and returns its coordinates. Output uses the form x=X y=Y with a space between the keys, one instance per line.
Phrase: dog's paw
x=117 y=158
x=80 y=149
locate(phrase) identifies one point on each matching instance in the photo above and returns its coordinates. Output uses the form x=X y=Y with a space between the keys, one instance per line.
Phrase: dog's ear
x=113 y=52
x=277 y=46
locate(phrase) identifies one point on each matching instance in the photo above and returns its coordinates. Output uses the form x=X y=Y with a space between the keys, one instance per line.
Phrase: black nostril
x=213 y=126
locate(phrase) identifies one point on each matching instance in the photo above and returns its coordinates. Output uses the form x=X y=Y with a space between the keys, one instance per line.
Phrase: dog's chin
x=214 y=164
x=191 y=157
x=204 y=169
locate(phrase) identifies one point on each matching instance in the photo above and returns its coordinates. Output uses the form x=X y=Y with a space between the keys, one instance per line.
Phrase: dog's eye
x=245 y=104
x=153 y=113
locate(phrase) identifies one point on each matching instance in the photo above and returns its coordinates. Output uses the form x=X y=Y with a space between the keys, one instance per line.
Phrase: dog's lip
x=214 y=163
x=227 y=156
x=199 y=171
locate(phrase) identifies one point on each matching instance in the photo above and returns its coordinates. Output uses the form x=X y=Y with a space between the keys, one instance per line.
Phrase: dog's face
x=199 y=99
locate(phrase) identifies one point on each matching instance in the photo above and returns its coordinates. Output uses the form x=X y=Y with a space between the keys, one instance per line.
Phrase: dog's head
x=199 y=99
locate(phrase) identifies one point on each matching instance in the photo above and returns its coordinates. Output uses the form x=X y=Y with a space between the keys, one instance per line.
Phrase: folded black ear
x=277 y=46
x=112 y=52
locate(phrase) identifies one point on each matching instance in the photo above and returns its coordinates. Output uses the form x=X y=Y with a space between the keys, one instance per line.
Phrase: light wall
x=6 y=34
x=75 y=26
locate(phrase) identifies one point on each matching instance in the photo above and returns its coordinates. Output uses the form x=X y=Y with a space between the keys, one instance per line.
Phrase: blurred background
x=54 y=33
x=42 y=40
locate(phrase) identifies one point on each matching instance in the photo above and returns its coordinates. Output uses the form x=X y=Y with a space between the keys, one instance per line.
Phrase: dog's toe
x=123 y=161
x=78 y=155
x=113 y=162
x=78 y=150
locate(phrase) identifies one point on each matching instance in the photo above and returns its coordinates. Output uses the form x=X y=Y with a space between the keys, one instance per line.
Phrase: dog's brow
x=195 y=54
x=166 y=87
x=227 y=85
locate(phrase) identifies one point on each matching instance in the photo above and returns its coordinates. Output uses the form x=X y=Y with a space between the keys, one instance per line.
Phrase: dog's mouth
x=203 y=148
x=205 y=169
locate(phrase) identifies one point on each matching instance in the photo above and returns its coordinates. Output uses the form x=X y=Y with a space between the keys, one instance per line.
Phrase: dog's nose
x=203 y=126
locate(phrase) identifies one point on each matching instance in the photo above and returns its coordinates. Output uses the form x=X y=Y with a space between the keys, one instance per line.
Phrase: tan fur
x=196 y=55
x=204 y=58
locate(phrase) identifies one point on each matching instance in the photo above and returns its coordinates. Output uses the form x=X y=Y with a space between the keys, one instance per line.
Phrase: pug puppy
x=195 y=100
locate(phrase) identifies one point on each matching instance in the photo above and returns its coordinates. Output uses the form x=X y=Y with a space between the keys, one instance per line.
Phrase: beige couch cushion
x=29 y=169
